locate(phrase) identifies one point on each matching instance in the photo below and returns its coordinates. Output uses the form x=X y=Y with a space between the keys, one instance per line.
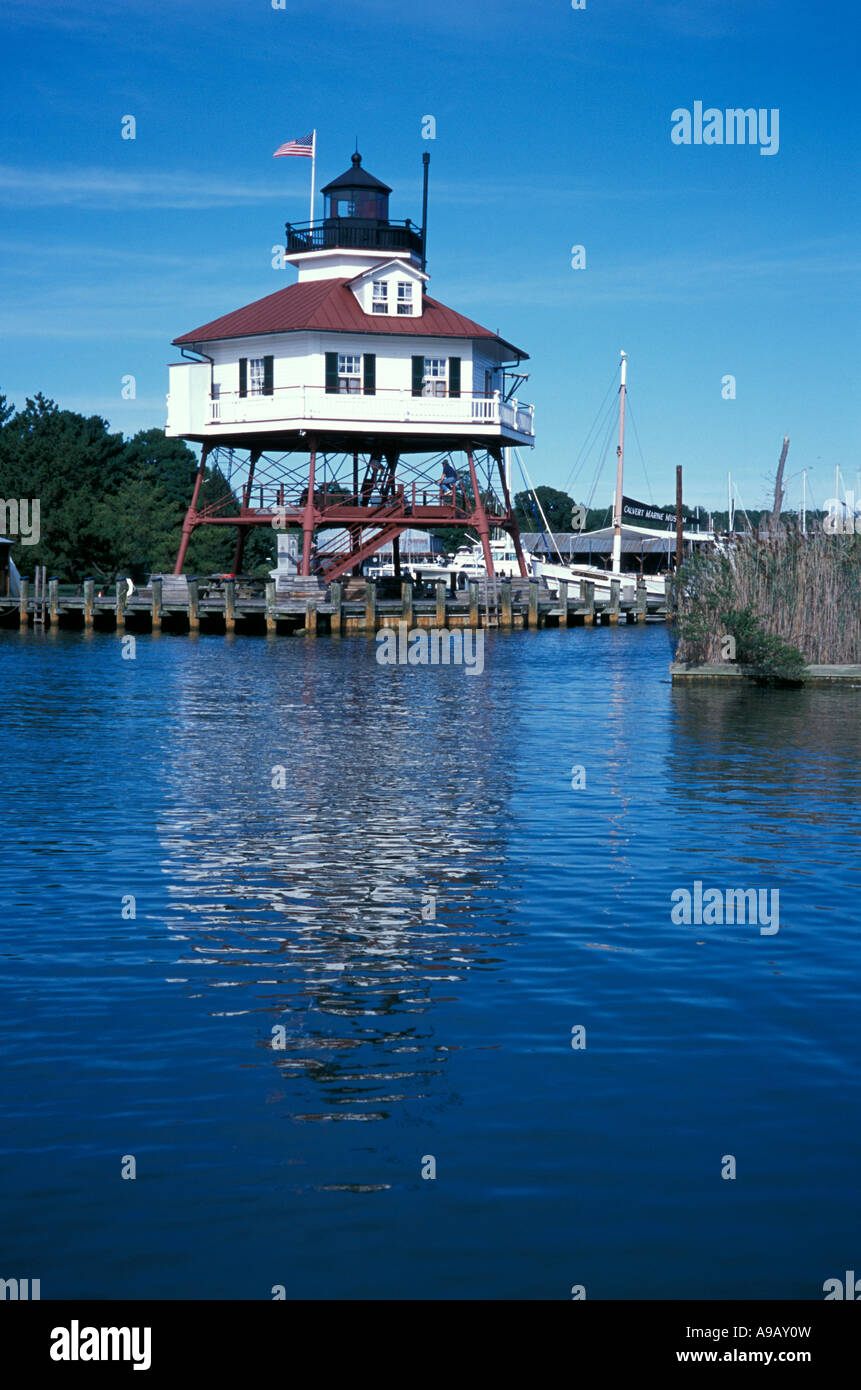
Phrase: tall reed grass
x=801 y=592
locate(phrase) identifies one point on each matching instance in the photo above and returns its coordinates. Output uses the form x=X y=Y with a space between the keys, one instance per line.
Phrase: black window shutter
x=369 y=364
x=268 y=376
x=243 y=376
x=332 y=373
x=418 y=375
x=454 y=376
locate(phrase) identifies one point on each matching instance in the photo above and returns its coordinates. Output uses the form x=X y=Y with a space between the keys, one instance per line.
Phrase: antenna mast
x=425 y=162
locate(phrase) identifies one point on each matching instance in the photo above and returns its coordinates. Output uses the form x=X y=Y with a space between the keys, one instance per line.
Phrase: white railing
x=388 y=407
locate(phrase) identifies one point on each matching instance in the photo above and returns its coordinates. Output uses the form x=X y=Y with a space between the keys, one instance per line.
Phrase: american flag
x=303 y=146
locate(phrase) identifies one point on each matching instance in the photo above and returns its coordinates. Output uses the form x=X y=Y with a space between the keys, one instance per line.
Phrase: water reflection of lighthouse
x=307 y=902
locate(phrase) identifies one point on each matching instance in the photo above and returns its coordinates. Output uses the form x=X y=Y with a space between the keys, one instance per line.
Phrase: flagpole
x=313 y=168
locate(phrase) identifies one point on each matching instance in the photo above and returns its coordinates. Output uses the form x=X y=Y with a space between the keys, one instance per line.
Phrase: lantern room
x=357 y=195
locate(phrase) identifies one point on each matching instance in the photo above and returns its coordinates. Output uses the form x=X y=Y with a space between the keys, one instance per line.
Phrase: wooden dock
x=727 y=671
x=309 y=607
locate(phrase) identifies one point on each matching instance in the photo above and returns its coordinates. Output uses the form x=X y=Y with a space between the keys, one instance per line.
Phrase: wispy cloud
x=708 y=19
x=95 y=187
x=524 y=194
x=42 y=325
x=103 y=18
x=674 y=279
x=29 y=258
x=111 y=188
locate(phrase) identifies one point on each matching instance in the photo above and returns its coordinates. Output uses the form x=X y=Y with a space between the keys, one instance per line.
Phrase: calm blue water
x=408 y=1038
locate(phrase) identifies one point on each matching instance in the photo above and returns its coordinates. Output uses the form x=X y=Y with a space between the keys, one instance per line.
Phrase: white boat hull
x=576 y=574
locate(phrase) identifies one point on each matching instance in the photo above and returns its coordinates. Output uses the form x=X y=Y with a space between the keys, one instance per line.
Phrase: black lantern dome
x=357 y=195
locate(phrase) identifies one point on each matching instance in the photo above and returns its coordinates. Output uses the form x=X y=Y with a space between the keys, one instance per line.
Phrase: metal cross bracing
x=367 y=497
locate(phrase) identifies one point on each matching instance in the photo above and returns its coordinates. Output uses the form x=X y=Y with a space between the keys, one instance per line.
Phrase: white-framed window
x=488 y=382
x=380 y=301
x=405 y=297
x=349 y=371
x=255 y=376
x=434 y=383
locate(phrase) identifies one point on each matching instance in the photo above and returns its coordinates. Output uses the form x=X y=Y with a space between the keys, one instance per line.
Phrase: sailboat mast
x=620 y=466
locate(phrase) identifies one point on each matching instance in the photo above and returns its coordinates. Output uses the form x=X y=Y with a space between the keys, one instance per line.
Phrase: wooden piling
x=311 y=617
x=642 y=607
x=668 y=597
x=440 y=602
x=407 y=602
x=533 y=603
x=505 y=611
x=23 y=603
x=122 y=595
x=587 y=596
x=54 y=601
x=193 y=606
x=39 y=596
x=230 y=605
x=370 y=605
x=271 y=625
x=335 y=601
x=613 y=615
x=474 y=615
x=156 y=605
x=90 y=598
x=563 y=600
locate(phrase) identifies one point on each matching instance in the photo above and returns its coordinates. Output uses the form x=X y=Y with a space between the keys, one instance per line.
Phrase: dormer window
x=405 y=297
x=380 y=302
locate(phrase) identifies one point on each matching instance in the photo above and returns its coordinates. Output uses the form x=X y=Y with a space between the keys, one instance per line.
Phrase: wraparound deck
x=197 y=414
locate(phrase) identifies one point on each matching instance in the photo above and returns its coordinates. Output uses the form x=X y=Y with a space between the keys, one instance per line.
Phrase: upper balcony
x=354 y=234
x=195 y=413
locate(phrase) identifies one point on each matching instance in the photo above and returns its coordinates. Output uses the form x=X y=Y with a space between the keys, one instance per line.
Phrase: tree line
x=110 y=505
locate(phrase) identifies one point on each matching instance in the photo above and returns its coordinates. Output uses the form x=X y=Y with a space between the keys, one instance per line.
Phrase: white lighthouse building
x=344 y=394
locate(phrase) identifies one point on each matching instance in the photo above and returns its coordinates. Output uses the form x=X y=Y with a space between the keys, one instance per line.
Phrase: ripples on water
x=425 y=908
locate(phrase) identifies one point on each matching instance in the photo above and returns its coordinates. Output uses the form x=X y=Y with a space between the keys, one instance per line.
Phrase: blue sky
x=553 y=129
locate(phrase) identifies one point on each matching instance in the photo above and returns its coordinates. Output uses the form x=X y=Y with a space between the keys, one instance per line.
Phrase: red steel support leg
x=513 y=529
x=514 y=533
x=308 y=518
x=480 y=516
x=189 y=524
x=242 y=531
x=355 y=533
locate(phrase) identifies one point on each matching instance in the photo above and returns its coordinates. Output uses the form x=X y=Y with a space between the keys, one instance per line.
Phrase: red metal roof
x=328 y=306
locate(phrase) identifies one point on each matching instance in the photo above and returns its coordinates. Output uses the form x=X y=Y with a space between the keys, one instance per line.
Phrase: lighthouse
x=350 y=403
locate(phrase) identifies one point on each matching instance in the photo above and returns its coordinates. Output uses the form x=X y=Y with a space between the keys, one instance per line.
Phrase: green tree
x=558 y=508
x=64 y=460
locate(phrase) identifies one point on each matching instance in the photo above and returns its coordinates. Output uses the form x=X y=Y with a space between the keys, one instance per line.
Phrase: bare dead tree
x=778 y=486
